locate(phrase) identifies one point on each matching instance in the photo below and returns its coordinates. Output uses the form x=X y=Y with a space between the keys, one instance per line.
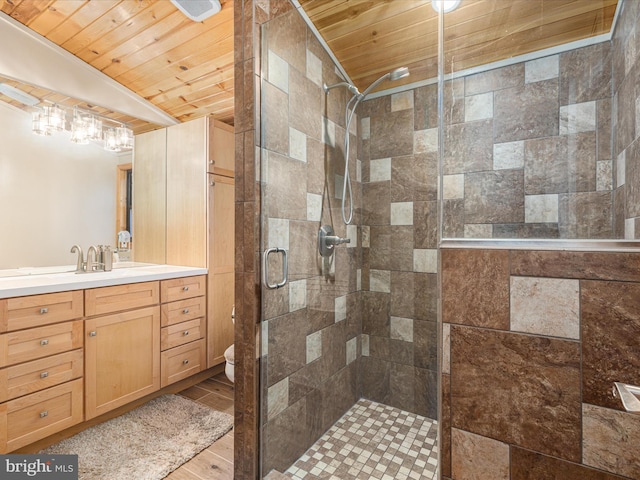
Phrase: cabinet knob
x=44 y=342
x=185 y=333
x=185 y=362
x=44 y=310
x=212 y=184
x=185 y=311
x=44 y=374
x=212 y=162
x=93 y=334
x=44 y=414
x=185 y=289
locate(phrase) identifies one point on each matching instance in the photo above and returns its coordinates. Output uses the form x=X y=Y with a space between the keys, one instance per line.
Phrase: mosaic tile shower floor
x=372 y=441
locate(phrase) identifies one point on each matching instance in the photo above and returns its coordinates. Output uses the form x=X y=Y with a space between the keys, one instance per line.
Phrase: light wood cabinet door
x=122 y=358
x=150 y=196
x=221 y=149
x=187 y=193
x=221 y=267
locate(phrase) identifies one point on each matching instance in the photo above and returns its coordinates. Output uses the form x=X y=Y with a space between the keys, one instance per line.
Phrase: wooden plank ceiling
x=372 y=37
x=185 y=68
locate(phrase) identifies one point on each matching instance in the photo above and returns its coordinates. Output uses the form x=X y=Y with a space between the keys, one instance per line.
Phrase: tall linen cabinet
x=198 y=214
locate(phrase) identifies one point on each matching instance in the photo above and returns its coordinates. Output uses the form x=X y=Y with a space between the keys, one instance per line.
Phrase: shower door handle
x=265 y=268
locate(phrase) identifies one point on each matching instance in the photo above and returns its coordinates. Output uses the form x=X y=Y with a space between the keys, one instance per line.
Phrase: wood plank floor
x=215 y=462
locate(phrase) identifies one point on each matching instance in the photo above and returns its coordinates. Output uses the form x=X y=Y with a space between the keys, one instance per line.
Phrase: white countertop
x=21 y=282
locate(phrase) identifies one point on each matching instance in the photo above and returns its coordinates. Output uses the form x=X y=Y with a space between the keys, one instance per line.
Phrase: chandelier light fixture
x=84 y=126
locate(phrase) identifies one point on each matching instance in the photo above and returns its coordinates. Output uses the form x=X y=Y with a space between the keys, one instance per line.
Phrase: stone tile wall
x=527 y=149
x=398 y=150
x=533 y=342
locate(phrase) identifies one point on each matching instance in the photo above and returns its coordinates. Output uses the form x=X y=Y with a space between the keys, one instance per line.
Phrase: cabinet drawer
x=40 y=414
x=36 y=310
x=26 y=345
x=181 y=333
x=183 y=310
x=181 y=288
x=121 y=297
x=37 y=375
x=182 y=362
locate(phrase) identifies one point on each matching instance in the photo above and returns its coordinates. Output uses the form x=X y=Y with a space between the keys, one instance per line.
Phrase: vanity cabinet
x=41 y=366
x=122 y=350
x=71 y=356
x=183 y=328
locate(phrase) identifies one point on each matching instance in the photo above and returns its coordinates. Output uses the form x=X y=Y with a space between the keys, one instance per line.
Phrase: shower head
x=393 y=75
x=398 y=73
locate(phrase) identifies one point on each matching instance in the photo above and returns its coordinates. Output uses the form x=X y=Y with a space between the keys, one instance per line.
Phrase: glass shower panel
x=527 y=122
x=311 y=326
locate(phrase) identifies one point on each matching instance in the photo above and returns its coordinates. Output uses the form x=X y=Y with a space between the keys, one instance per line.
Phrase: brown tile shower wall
x=533 y=341
x=398 y=150
x=527 y=149
x=311 y=326
x=247 y=16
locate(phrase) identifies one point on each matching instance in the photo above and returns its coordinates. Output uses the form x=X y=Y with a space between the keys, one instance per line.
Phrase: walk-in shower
x=350 y=109
x=382 y=331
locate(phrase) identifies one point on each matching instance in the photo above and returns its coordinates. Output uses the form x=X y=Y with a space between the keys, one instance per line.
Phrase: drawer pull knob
x=185 y=362
x=185 y=333
x=93 y=334
x=44 y=310
x=185 y=311
x=44 y=374
x=44 y=414
x=44 y=342
x=186 y=288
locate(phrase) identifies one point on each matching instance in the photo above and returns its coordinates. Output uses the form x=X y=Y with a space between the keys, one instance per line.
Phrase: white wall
x=53 y=194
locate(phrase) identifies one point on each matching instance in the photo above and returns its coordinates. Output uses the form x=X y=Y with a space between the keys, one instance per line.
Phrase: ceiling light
x=38 y=124
x=198 y=10
x=124 y=138
x=111 y=140
x=18 y=95
x=54 y=118
x=84 y=126
x=78 y=129
x=445 y=5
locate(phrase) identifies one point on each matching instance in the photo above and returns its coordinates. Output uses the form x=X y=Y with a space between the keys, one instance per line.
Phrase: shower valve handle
x=327 y=240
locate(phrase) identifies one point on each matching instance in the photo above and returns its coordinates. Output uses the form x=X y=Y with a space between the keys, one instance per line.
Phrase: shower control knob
x=327 y=240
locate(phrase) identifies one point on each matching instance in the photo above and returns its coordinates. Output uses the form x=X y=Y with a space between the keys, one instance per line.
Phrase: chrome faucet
x=80 y=264
x=91 y=259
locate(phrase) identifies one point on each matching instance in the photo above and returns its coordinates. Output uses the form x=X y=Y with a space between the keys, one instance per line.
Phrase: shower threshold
x=371 y=441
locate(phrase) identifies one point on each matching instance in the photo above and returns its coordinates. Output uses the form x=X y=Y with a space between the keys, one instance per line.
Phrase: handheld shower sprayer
x=350 y=109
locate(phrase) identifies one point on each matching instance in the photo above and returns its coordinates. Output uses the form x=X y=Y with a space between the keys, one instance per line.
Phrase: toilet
x=229 y=354
x=228 y=368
